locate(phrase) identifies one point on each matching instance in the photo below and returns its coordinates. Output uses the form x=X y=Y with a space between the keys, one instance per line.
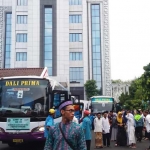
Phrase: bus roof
x=55 y=84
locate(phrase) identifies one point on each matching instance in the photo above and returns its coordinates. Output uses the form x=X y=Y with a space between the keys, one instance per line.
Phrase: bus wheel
x=11 y=144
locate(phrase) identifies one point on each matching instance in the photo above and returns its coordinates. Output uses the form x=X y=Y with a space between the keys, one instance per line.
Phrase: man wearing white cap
x=66 y=135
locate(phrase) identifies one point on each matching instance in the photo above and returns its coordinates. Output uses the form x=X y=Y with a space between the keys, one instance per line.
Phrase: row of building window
x=71 y=2
x=23 y=19
x=22 y=37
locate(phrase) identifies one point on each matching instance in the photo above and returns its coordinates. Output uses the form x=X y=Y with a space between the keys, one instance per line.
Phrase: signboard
x=18 y=124
x=20 y=94
x=100 y=100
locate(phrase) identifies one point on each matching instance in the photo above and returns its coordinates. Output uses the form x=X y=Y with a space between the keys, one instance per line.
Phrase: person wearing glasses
x=66 y=135
x=87 y=126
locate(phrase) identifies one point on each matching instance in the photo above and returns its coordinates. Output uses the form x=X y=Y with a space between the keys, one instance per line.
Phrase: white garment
x=147 y=123
x=105 y=125
x=75 y=120
x=131 y=128
x=97 y=125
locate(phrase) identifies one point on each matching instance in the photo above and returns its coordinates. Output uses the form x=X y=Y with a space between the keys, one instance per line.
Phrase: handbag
x=65 y=137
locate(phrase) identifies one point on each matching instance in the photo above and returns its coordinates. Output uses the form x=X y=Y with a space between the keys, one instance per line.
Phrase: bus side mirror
x=90 y=107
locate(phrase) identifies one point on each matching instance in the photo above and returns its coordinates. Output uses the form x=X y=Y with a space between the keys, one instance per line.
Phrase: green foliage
x=91 y=89
x=133 y=104
x=139 y=90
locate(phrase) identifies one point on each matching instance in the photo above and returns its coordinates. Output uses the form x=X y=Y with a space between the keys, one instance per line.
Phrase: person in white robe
x=98 y=131
x=131 y=130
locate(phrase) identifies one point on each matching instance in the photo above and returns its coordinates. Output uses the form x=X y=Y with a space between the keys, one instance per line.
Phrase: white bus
x=24 y=105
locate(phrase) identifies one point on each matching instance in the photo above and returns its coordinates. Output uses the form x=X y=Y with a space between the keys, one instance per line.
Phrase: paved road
x=140 y=146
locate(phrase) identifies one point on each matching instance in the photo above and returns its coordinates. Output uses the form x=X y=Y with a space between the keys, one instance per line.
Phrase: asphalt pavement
x=34 y=146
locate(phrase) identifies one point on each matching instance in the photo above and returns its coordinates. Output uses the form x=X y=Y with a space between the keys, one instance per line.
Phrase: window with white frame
x=75 y=2
x=75 y=19
x=22 y=19
x=22 y=2
x=74 y=56
x=75 y=37
x=21 y=37
x=21 y=56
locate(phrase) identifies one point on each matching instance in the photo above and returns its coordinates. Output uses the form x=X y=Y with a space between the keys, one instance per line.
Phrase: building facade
x=69 y=37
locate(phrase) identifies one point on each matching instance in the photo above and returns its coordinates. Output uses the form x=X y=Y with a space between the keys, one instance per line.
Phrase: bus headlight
x=38 y=129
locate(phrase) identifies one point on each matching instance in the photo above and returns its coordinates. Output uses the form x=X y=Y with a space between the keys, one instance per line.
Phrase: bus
x=102 y=104
x=24 y=105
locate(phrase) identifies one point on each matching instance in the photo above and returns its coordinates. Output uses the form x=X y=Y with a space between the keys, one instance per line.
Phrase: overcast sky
x=129 y=22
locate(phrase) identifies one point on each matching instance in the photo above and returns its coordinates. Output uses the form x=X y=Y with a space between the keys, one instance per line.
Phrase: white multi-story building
x=69 y=37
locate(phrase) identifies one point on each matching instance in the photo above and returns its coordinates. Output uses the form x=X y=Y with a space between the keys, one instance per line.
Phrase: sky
x=129 y=24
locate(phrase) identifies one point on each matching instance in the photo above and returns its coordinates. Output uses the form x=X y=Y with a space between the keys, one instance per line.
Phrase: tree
x=146 y=82
x=91 y=88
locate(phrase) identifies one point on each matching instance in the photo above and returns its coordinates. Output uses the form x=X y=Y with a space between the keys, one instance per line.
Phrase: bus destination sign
x=22 y=83
x=102 y=100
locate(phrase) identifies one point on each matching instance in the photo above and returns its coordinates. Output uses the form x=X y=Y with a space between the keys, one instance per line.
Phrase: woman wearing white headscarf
x=131 y=130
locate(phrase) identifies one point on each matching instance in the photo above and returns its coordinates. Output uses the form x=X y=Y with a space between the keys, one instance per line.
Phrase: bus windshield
x=24 y=97
x=101 y=104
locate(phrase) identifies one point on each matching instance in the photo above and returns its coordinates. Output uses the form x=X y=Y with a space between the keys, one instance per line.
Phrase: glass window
x=48 y=47
x=48 y=32
x=8 y=27
x=48 y=10
x=21 y=19
x=21 y=37
x=7 y=55
x=75 y=56
x=75 y=19
x=75 y=37
x=21 y=56
x=7 y=51
x=48 y=39
x=48 y=17
x=76 y=74
x=75 y=2
x=22 y=2
x=96 y=43
x=48 y=55
x=48 y=24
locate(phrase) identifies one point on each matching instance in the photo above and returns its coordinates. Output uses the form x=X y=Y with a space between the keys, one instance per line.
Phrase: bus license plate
x=18 y=140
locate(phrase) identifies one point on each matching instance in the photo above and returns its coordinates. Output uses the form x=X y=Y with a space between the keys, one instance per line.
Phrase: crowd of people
x=125 y=128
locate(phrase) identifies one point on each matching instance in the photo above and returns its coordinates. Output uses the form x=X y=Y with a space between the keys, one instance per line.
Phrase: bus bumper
x=22 y=137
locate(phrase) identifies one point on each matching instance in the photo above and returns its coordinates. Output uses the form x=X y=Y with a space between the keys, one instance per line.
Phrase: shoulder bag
x=65 y=137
